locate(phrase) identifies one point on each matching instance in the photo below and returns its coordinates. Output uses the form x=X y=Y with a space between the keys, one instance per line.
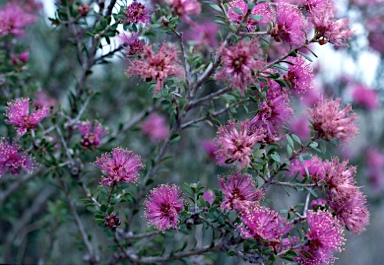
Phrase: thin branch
x=121 y=234
x=193 y=103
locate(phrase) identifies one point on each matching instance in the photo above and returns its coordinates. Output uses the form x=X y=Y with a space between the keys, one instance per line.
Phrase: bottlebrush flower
x=163 y=205
x=209 y=196
x=17 y=113
x=14 y=20
x=300 y=74
x=184 y=8
x=204 y=34
x=237 y=189
x=274 y=112
x=157 y=66
x=325 y=234
x=155 y=128
x=235 y=142
x=366 y=97
x=238 y=64
x=42 y=98
x=137 y=13
x=331 y=122
x=300 y=127
x=345 y=199
x=314 y=167
x=261 y=9
x=90 y=138
x=21 y=58
x=14 y=159
x=318 y=203
x=119 y=165
x=264 y=223
x=136 y=46
x=290 y=26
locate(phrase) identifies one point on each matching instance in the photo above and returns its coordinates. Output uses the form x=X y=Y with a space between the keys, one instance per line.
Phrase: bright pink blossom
x=137 y=13
x=14 y=159
x=300 y=74
x=157 y=66
x=238 y=189
x=184 y=8
x=120 y=166
x=135 y=45
x=89 y=137
x=14 y=19
x=325 y=235
x=163 y=206
x=264 y=223
x=156 y=128
x=345 y=199
x=291 y=25
x=332 y=122
x=318 y=203
x=300 y=127
x=235 y=142
x=366 y=97
x=21 y=58
x=314 y=167
x=209 y=196
x=239 y=61
x=43 y=98
x=18 y=115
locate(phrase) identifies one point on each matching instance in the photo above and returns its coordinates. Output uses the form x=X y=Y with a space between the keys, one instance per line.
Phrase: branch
x=193 y=103
x=121 y=234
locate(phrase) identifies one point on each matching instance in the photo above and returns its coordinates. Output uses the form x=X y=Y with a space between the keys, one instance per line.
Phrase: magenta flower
x=135 y=45
x=157 y=66
x=163 y=206
x=238 y=64
x=331 y=122
x=156 y=128
x=318 y=203
x=314 y=167
x=325 y=234
x=300 y=74
x=13 y=20
x=42 y=98
x=365 y=97
x=235 y=142
x=300 y=127
x=274 y=112
x=119 y=165
x=264 y=223
x=137 y=13
x=89 y=137
x=204 y=34
x=375 y=162
x=14 y=159
x=17 y=113
x=238 y=189
x=262 y=9
x=20 y=59
x=291 y=25
x=344 y=197
x=209 y=196
x=184 y=8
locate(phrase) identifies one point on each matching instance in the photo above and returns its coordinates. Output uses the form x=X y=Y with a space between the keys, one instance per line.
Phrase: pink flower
x=331 y=122
x=262 y=9
x=209 y=196
x=21 y=58
x=345 y=199
x=184 y=8
x=137 y=13
x=274 y=112
x=204 y=34
x=163 y=205
x=136 y=46
x=327 y=28
x=17 y=113
x=325 y=234
x=119 y=165
x=13 y=20
x=90 y=138
x=157 y=66
x=365 y=97
x=300 y=74
x=238 y=64
x=318 y=203
x=42 y=98
x=264 y=223
x=375 y=162
x=235 y=142
x=14 y=159
x=300 y=127
x=314 y=167
x=291 y=25
x=238 y=189
x=155 y=128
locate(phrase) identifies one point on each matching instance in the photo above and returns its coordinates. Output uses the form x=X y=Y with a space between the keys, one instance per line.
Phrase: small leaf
x=276 y=157
x=296 y=139
x=238 y=10
x=216 y=7
x=306 y=56
x=256 y=17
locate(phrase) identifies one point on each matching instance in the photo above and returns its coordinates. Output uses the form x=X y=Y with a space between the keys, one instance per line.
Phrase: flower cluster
x=14 y=159
x=184 y=8
x=135 y=45
x=365 y=97
x=300 y=74
x=314 y=167
x=155 y=128
x=90 y=138
x=137 y=13
x=18 y=115
x=14 y=19
x=163 y=205
x=120 y=166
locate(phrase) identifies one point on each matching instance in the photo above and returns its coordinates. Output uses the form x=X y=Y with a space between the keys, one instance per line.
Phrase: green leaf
x=238 y=10
x=216 y=7
x=256 y=17
x=313 y=144
x=312 y=192
x=175 y=137
x=306 y=56
x=296 y=139
x=278 y=66
x=290 y=141
x=276 y=157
